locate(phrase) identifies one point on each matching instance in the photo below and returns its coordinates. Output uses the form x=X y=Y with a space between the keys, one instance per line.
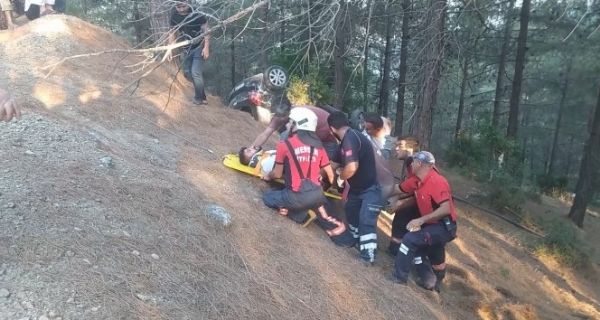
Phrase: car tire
x=275 y=78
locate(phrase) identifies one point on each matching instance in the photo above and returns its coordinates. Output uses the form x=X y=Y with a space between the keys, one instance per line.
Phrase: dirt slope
x=103 y=212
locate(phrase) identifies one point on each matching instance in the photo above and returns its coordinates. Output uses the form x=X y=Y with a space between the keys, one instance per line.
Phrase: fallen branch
x=176 y=45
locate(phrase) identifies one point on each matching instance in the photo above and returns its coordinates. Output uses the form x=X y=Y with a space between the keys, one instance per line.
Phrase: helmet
x=304 y=118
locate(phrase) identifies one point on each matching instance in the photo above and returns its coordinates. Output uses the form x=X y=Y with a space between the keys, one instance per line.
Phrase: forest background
x=505 y=91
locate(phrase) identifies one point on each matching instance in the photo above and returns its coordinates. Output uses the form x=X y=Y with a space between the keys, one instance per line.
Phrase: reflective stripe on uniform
x=404 y=249
x=367 y=237
x=367 y=246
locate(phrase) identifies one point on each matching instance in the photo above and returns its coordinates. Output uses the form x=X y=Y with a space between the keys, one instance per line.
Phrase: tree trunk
x=431 y=62
x=283 y=25
x=264 y=41
x=366 y=58
x=159 y=20
x=340 y=50
x=584 y=191
x=232 y=49
x=387 y=57
x=402 y=69
x=513 y=114
x=569 y=156
x=502 y=64
x=461 y=100
x=561 y=110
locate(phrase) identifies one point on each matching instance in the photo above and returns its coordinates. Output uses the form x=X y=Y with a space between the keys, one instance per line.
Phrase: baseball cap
x=424 y=156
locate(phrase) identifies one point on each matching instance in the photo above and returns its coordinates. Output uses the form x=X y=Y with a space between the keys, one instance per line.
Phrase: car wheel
x=275 y=78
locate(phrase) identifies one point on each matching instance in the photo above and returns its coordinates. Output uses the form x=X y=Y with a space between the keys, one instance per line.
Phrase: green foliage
x=298 y=91
x=553 y=186
x=564 y=243
x=309 y=80
x=490 y=157
x=505 y=272
x=504 y=191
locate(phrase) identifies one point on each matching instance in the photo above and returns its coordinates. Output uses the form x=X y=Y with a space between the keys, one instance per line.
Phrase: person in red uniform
x=436 y=225
x=304 y=158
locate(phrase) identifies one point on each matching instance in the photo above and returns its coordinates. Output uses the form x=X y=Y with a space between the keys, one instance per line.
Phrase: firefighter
x=436 y=225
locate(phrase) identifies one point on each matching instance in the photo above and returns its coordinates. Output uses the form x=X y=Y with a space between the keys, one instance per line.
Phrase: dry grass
x=90 y=255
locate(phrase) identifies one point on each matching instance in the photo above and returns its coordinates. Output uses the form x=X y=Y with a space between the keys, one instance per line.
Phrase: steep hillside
x=105 y=193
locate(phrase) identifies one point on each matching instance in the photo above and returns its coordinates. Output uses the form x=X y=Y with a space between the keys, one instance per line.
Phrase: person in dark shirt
x=187 y=25
x=305 y=156
x=281 y=107
x=364 y=200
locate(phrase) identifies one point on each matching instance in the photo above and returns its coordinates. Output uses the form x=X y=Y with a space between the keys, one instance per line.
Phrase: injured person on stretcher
x=262 y=161
x=299 y=160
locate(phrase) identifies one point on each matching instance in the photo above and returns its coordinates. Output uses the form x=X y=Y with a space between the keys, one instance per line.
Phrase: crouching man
x=436 y=225
x=304 y=157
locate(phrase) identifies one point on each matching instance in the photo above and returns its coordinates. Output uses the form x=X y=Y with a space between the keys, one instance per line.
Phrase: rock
x=218 y=213
x=29 y=153
x=70 y=253
x=10 y=205
x=52 y=314
x=143 y=297
x=107 y=162
x=135 y=253
x=43 y=318
x=4 y=293
x=154 y=256
x=94 y=309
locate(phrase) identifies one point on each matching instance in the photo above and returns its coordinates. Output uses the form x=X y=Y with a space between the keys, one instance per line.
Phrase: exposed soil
x=105 y=195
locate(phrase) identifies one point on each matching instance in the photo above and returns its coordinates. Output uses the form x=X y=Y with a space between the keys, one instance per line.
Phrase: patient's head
x=246 y=155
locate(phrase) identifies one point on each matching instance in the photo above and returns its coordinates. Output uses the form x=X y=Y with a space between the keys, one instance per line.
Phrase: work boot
x=393 y=248
x=368 y=256
x=426 y=277
x=439 y=275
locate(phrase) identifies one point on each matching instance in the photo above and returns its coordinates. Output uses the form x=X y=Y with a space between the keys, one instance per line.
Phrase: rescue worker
x=436 y=225
x=304 y=158
x=364 y=199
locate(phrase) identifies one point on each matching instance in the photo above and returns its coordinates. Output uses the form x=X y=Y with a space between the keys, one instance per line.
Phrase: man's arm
x=264 y=136
x=438 y=213
x=172 y=40
x=276 y=173
x=349 y=170
x=8 y=107
x=205 y=49
x=329 y=171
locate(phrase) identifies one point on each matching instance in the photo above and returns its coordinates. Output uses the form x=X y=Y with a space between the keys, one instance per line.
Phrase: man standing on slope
x=364 y=200
x=189 y=25
x=437 y=224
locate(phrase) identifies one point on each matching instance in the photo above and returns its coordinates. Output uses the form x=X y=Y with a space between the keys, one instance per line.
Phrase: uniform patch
x=348 y=152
